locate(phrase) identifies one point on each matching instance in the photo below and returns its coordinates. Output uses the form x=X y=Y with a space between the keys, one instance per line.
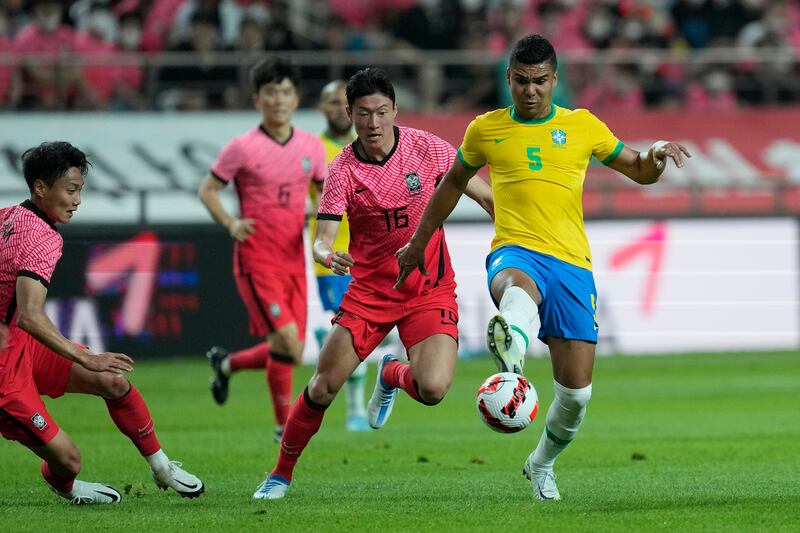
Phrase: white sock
x=519 y=310
x=158 y=461
x=225 y=366
x=354 y=391
x=564 y=418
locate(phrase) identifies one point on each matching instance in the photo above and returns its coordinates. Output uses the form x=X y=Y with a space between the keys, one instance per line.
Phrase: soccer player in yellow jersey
x=339 y=133
x=540 y=261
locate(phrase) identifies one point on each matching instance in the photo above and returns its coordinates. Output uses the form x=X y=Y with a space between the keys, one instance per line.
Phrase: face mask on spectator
x=130 y=38
x=102 y=24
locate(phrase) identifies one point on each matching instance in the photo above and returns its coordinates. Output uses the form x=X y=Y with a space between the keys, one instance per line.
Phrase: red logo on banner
x=650 y=245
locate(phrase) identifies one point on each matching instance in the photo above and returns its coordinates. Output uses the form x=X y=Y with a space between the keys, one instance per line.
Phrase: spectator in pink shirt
x=38 y=44
x=107 y=77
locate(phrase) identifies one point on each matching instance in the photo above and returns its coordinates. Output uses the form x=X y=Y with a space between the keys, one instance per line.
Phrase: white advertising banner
x=663 y=286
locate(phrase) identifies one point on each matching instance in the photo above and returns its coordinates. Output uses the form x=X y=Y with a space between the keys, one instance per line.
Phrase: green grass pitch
x=672 y=443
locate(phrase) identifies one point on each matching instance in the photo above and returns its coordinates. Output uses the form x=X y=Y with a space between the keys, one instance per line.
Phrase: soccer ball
x=507 y=402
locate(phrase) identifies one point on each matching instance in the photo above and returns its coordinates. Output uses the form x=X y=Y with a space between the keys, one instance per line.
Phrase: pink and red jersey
x=29 y=246
x=384 y=202
x=272 y=181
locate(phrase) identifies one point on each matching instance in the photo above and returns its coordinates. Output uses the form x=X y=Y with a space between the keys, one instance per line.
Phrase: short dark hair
x=369 y=81
x=533 y=50
x=50 y=161
x=271 y=69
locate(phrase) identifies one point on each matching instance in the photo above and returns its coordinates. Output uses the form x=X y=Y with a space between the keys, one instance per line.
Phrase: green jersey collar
x=534 y=120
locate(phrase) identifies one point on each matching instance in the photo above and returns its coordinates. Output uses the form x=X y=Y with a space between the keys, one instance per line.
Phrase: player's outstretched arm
x=646 y=167
x=339 y=262
x=208 y=193
x=31 y=317
x=442 y=203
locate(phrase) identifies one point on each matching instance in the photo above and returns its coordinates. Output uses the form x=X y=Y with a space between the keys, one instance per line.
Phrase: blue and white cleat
x=543 y=483
x=272 y=488
x=380 y=404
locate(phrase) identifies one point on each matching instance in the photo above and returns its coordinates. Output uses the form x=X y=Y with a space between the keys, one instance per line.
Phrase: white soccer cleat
x=85 y=493
x=176 y=478
x=543 y=483
x=272 y=488
x=380 y=404
x=501 y=346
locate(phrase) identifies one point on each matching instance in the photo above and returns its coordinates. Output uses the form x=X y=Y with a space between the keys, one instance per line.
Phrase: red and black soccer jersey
x=30 y=246
x=272 y=181
x=384 y=202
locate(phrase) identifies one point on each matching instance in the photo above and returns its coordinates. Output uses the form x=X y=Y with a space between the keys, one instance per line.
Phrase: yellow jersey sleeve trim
x=614 y=154
x=464 y=162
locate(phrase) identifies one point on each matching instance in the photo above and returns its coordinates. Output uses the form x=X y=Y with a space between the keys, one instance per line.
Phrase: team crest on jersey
x=412 y=182
x=39 y=421
x=306 y=164
x=559 y=137
x=275 y=310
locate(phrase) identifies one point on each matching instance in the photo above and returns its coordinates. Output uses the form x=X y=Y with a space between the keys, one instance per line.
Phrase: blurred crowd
x=194 y=54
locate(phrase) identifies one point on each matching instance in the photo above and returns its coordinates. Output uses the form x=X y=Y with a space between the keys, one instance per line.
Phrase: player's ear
x=555 y=79
x=349 y=112
x=255 y=101
x=40 y=188
x=508 y=76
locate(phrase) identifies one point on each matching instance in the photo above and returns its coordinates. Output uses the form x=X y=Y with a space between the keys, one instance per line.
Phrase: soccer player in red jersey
x=38 y=360
x=382 y=181
x=272 y=166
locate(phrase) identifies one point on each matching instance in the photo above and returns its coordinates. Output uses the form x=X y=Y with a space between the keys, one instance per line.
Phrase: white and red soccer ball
x=507 y=402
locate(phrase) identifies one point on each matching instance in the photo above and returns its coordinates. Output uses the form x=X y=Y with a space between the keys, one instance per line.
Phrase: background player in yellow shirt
x=540 y=262
x=333 y=104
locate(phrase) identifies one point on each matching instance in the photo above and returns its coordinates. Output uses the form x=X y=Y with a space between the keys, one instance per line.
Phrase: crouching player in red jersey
x=382 y=181
x=37 y=359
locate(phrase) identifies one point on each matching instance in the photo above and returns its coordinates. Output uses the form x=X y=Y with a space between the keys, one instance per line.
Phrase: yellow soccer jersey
x=332 y=149
x=537 y=168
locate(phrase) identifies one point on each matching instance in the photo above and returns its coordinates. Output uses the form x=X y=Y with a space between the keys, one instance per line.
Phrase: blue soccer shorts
x=569 y=296
x=331 y=290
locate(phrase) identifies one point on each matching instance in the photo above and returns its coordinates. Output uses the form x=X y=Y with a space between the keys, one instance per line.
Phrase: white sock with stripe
x=564 y=418
x=519 y=310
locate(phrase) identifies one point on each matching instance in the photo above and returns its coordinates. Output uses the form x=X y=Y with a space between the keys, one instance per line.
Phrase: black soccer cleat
x=219 y=381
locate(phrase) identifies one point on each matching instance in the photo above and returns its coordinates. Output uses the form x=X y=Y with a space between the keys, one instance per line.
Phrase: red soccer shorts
x=417 y=323
x=273 y=301
x=29 y=369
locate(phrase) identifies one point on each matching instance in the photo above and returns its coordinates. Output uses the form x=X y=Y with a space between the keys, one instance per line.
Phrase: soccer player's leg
x=331 y=291
x=129 y=413
x=224 y=364
x=336 y=362
x=570 y=330
x=25 y=419
x=430 y=336
x=287 y=326
x=515 y=282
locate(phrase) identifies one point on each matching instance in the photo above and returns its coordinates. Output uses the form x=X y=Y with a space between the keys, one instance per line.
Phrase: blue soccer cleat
x=380 y=404
x=272 y=488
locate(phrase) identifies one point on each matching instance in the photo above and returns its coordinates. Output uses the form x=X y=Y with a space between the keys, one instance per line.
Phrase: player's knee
x=322 y=390
x=287 y=343
x=573 y=399
x=431 y=393
x=113 y=386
